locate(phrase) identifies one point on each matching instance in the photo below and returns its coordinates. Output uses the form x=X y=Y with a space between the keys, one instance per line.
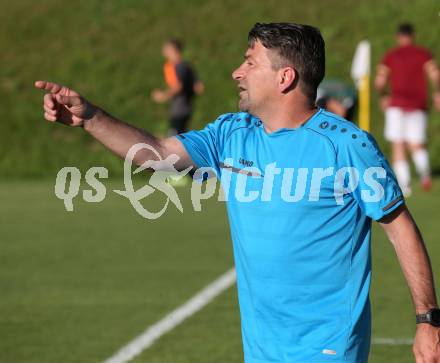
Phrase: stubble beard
x=244 y=104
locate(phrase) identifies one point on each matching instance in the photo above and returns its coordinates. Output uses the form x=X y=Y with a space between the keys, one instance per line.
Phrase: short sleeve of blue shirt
x=205 y=146
x=377 y=192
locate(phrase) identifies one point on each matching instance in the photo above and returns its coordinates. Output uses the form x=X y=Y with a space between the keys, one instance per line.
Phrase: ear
x=287 y=78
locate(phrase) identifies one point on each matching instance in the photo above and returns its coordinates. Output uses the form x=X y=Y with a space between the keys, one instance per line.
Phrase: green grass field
x=77 y=286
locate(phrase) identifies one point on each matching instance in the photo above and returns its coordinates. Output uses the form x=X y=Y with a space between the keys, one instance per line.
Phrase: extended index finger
x=49 y=86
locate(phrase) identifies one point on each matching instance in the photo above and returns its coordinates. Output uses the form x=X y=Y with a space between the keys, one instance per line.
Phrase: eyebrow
x=247 y=56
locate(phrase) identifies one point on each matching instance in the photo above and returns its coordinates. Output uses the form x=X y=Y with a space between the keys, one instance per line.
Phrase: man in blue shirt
x=302 y=186
x=302 y=255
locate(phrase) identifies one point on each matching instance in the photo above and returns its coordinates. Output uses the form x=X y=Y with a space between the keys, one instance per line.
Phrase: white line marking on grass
x=192 y=306
x=173 y=319
x=393 y=341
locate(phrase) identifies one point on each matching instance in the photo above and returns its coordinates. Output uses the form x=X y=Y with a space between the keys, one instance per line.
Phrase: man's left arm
x=381 y=82
x=411 y=252
x=433 y=74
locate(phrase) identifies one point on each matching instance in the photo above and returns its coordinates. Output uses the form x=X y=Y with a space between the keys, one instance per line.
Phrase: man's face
x=404 y=39
x=169 y=52
x=257 y=80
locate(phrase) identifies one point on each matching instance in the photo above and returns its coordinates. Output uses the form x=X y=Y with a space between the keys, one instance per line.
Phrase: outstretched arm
x=66 y=106
x=411 y=252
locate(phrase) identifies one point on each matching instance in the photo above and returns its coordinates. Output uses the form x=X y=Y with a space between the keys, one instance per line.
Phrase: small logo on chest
x=245 y=162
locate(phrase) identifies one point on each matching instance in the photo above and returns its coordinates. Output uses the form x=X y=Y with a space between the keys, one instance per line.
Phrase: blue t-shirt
x=300 y=204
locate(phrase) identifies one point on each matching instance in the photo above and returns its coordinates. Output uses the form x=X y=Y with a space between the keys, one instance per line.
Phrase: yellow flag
x=360 y=72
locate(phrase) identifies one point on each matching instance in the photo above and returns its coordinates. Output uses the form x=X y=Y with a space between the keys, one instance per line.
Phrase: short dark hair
x=405 y=29
x=176 y=43
x=298 y=45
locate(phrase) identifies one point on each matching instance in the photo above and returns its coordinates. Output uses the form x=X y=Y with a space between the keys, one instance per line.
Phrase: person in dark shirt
x=182 y=84
x=338 y=97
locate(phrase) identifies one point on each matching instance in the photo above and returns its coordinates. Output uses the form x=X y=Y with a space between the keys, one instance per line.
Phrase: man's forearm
x=381 y=79
x=119 y=136
x=380 y=85
x=416 y=267
x=414 y=260
x=434 y=75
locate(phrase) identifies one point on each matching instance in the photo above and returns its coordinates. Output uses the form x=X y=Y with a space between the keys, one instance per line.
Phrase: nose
x=238 y=74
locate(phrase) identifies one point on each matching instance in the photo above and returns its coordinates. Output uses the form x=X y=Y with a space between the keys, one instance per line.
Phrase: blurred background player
x=182 y=84
x=405 y=69
x=338 y=97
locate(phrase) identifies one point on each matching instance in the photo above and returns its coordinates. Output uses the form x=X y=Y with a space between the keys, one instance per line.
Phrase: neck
x=289 y=115
x=405 y=42
x=175 y=60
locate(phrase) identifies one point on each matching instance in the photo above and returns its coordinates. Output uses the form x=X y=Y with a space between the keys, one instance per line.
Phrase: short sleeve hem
x=189 y=147
x=390 y=207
